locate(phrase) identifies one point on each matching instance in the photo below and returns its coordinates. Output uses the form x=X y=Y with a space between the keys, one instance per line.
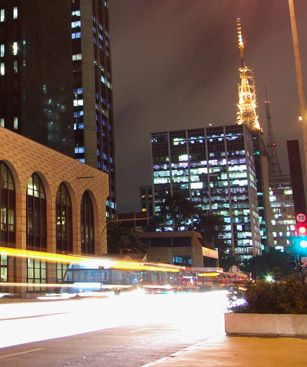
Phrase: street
x=129 y=330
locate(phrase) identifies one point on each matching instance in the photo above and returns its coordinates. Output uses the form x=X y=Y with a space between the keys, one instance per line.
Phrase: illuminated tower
x=247 y=105
x=247 y=115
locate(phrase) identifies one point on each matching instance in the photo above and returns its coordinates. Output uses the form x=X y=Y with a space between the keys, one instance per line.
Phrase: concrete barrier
x=265 y=324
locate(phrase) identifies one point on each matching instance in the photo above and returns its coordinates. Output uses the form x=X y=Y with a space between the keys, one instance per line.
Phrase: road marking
x=193 y=347
x=19 y=353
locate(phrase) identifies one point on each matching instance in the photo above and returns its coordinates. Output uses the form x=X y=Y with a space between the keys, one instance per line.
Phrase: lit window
x=2 y=50
x=36 y=220
x=78 y=91
x=78 y=102
x=76 y=57
x=76 y=13
x=2 y=15
x=16 y=123
x=15 y=66
x=79 y=150
x=63 y=220
x=15 y=12
x=2 y=122
x=2 y=68
x=76 y=24
x=76 y=35
x=15 y=48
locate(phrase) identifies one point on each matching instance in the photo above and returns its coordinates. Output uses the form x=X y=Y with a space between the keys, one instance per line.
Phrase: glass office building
x=283 y=221
x=214 y=167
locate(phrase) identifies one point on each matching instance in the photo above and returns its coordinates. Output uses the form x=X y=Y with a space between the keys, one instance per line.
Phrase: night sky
x=175 y=66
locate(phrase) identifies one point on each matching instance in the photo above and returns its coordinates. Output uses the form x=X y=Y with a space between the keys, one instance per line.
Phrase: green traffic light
x=303 y=243
x=299 y=245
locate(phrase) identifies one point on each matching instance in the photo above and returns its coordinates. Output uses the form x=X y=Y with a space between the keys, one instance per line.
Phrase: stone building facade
x=40 y=178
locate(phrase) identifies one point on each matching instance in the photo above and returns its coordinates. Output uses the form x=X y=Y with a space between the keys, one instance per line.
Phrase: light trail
x=192 y=314
x=103 y=261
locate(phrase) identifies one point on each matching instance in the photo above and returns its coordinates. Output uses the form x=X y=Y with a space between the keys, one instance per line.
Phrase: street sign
x=301 y=217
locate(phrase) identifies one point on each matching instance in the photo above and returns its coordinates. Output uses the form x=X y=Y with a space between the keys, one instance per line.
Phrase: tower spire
x=240 y=42
x=247 y=105
x=274 y=166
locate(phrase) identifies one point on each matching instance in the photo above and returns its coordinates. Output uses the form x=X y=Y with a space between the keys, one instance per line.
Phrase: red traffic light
x=301 y=229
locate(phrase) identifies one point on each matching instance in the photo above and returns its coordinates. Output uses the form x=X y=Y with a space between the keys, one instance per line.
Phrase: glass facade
x=7 y=207
x=36 y=214
x=3 y=268
x=61 y=271
x=63 y=220
x=283 y=222
x=213 y=167
x=146 y=200
x=36 y=273
x=87 y=225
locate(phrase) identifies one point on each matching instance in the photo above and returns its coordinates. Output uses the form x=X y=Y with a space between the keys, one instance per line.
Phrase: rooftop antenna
x=247 y=105
x=240 y=42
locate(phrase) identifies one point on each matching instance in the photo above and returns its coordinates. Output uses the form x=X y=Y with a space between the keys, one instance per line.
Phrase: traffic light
x=301 y=236
x=301 y=229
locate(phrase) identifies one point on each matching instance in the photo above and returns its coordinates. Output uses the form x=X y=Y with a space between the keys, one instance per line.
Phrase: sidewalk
x=235 y=351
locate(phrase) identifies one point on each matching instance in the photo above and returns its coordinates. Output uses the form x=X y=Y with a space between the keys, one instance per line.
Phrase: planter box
x=265 y=324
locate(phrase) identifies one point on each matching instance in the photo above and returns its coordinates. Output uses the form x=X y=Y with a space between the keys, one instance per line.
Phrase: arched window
x=63 y=220
x=7 y=207
x=36 y=214
x=87 y=225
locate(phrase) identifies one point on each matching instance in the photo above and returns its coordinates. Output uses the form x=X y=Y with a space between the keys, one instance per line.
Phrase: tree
x=209 y=225
x=275 y=263
x=177 y=212
x=121 y=239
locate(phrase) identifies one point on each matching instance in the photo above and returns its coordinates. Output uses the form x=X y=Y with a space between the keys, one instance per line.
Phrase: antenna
x=247 y=104
x=240 y=41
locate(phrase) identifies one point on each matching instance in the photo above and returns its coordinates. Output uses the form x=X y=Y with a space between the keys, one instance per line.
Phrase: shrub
x=284 y=297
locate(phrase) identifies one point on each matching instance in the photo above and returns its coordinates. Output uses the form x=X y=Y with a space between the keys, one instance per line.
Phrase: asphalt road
x=124 y=332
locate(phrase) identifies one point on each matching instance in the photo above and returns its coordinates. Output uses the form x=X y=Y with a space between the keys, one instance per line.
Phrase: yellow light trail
x=210 y=275
x=105 y=262
x=59 y=285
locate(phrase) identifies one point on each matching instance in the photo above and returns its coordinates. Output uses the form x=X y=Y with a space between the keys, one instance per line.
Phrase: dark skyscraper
x=36 y=77
x=55 y=78
x=92 y=79
x=296 y=174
